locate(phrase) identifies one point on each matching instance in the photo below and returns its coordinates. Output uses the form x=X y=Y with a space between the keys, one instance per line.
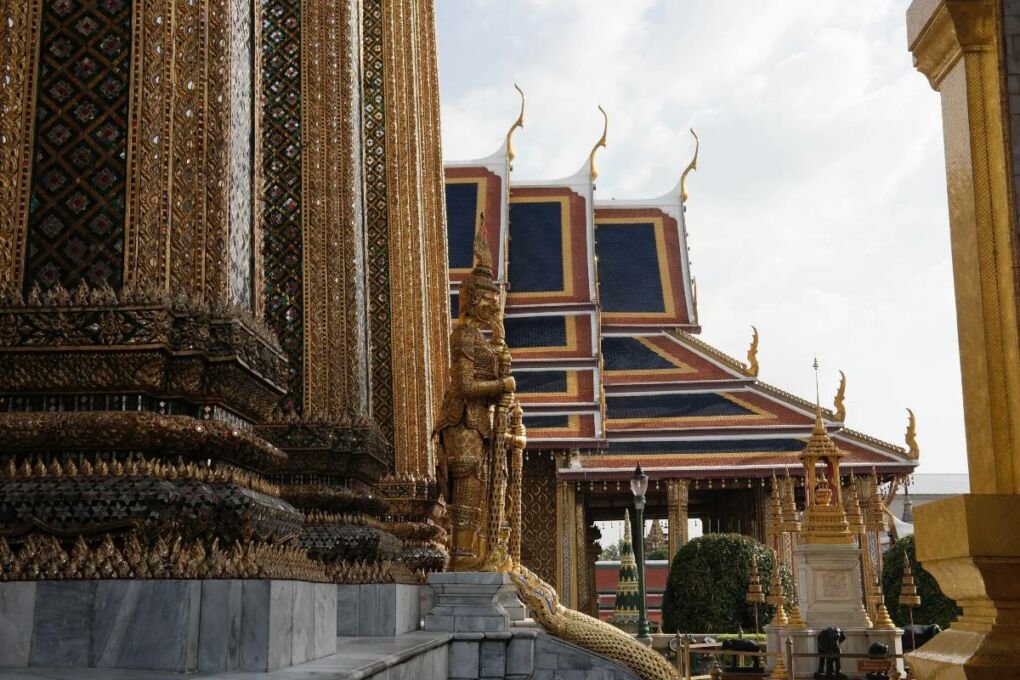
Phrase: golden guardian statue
x=475 y=426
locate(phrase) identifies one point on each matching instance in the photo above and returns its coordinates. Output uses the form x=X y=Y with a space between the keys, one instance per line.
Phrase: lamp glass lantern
x=638 y=487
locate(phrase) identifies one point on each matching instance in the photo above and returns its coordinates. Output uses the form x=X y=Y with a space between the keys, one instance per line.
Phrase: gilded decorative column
x=969 y=543
x=132 y=354
x=313 y=235
x=582 y=568
x=19 y=56
x=677 y=494
x=790 y=527
x=774 y=519
x=566 y=543
x=409 y=310
x=136 y=248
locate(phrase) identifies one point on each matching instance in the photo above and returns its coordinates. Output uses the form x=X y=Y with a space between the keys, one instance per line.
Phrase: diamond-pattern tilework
x=241 y=155
x=376 y=224
x=281 y=209
x=76 y=214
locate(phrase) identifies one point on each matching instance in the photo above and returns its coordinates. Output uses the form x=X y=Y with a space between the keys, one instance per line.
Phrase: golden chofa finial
x=601 y=143
x=519 y=123
x=693 y=165
x=840 y=398
x=913 y=450
x=752 y=354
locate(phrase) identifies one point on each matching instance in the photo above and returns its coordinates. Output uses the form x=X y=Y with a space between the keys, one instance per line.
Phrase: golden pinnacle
x=795 y=619
x=71 y=470
x=39 y=469
x=779 y=671
x=883 y=620
x=908 y=589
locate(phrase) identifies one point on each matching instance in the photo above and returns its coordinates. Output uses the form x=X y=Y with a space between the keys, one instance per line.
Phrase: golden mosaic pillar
x=567 y=555
x=416 y=220
x=141 y=213
x=131 y=289
x=677 y=496
x=970 y=543
x=355 y=227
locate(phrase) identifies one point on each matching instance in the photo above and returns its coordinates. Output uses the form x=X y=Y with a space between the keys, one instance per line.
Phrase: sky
x=818 y=211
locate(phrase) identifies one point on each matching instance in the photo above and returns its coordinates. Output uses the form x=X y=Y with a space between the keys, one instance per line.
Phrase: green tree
x=707 y=586
x=936 y=606
x=611 y=552
x=660 y=554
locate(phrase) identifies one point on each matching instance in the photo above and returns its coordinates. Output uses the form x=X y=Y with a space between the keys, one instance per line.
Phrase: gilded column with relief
x=959 y=46
x=677 y=495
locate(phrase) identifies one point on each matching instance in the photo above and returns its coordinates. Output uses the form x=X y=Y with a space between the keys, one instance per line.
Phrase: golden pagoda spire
x=883 y=620
x=755 y=594
x=791 y=524
x=796 y=621
x=693 y=165
x=854 y=516
x=779 y=671
x=776 y=596
x=824 y=515
x=840 y=397
x=519 y=123
x=752 y=354
x=908 y=589
x=599 y=144
x=913 y=450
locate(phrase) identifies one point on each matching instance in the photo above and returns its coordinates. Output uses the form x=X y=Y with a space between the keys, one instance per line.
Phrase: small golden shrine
x=825 y=519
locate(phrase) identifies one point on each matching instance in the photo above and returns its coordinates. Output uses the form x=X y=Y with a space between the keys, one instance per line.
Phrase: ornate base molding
x=91 y=341
x=354 y=451
x=417 y=515
x=971 y=546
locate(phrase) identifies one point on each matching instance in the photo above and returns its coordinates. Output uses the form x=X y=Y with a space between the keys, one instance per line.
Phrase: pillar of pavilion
x=968 y=51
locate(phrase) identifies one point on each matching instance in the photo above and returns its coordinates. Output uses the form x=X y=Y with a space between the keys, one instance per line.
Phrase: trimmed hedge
x=707 y=586
x=936 y=606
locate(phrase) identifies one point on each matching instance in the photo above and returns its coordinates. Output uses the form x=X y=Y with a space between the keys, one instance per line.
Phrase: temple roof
x=601 y=317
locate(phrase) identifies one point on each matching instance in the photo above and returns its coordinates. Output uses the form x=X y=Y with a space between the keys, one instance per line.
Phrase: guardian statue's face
x=487 y=306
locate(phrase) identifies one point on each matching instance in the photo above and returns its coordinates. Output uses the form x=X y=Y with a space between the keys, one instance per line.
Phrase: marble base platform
x=829 y=586
x=469 y=602
x=858 y=640
x=484 y=646
x=414 y=656
x=515 y=609
x=167 y=625
x=379 y=610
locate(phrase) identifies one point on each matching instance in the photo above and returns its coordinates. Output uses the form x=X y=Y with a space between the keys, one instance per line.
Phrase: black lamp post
x=638 y=486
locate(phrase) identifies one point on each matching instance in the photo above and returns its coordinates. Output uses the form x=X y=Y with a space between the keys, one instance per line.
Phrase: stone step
x=416 y=656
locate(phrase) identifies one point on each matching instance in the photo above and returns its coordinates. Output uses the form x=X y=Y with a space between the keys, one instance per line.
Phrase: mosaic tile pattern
x=76 y=215
x=241 y=154
x=538 y=545
x=377 y=226
x=281 y=210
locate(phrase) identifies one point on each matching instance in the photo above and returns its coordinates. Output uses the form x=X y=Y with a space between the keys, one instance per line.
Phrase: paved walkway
x=418 y=656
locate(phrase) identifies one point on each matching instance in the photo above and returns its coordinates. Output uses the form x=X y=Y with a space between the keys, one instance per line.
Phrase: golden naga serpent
x=587 y=632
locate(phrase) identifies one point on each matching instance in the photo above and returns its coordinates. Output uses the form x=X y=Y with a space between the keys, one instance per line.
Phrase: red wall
x=607 y=574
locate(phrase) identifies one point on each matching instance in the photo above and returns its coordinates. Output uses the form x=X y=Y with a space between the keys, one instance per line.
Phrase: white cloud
x=818 y=212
